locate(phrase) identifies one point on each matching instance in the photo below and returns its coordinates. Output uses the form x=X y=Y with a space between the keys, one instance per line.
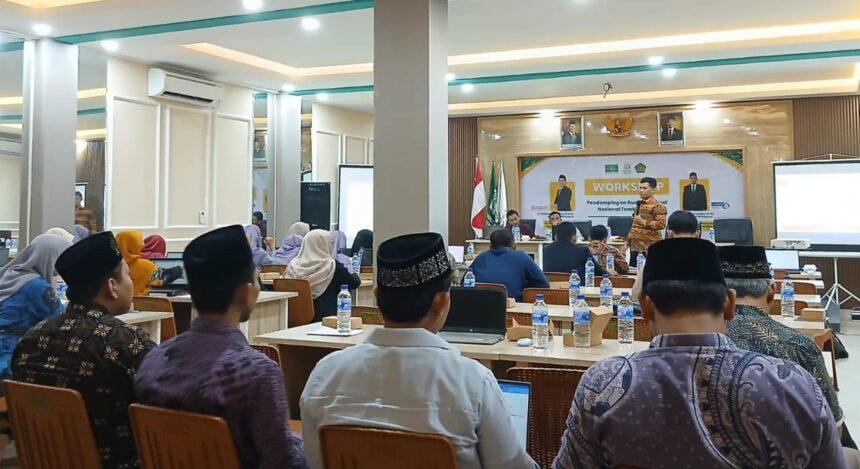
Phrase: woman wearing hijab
x=144 y=274
x=288 y=251
x=27 y=294
x=154 y=247
x=261 y=257
x=299 y=228
x=325 y=275
x=338 y=247
x=81 y=232
x=363 y=239
x=61 y=232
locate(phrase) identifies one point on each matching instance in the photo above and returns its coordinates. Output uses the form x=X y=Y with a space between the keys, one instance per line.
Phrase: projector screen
x=816 y=200
x=355 y=200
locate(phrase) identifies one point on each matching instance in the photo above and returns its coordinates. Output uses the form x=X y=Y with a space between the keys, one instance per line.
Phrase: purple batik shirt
x=211 y=369
x=697 y=401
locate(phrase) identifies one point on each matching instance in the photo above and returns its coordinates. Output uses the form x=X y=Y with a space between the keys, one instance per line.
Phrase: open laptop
x=175 y=288
x=458 y=252
x=517 y=395
x=784 y=259
x=173 y=255
x=477 y=316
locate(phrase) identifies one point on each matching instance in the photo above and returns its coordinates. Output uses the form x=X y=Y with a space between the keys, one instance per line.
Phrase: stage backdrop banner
x=599 y=187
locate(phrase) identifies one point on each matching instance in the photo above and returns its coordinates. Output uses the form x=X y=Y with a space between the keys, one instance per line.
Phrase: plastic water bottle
x=573 y=287
x=610 y=262
x=787 y=294
x=469 y=279
x=344 y=310
x=606 y=291
x=772 y=275
x=625 y=319
x=516 y=231
x=581 y=323
x=61 y=289
x=589 y=274
x=470 y=251
x=712 y=236
x=540 y=324
x=608 y=233
x=640 y=261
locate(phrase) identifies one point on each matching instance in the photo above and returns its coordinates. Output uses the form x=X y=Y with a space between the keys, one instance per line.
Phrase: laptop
x=173 y=255
x=517 y=395
x=458 y=252
x=477 y=316
x=175 y=288
x=4 y=256
x=784 y=259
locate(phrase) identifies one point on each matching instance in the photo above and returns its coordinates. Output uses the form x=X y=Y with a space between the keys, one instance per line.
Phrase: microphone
x=638 y=207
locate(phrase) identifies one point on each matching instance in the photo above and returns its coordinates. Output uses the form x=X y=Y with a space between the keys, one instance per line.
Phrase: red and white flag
x=479 y=202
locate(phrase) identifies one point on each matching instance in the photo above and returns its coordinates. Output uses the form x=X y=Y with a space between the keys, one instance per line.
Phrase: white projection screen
x=355 y=200
x=817 y=200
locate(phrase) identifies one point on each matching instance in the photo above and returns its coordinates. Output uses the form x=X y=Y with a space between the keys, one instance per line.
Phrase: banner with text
x=598 y=187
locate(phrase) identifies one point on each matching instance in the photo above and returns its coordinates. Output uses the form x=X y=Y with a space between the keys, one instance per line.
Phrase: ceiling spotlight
x=289 y=88
x=322 y=97
x=450 y=76
x=669 y=72
x=252 y=5
x=110 y=46
x=467 y=87
x=42 y=29
x=310 y=24
x=655 y=60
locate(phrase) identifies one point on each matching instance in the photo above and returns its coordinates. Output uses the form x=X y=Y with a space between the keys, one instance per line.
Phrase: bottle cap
x=539 y=297
x=581 y=296
x=625 y=293
x=344 y=287
x=605 y=275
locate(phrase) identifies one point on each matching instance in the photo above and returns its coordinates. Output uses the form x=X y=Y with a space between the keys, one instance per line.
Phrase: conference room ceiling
x=791 y=43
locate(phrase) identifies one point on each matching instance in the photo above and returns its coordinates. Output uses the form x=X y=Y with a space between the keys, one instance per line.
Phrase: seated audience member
x=404 y=377
x=299 y=228
x=259 y=221
x=154 y=247
x=564 y=255
x=27 y=293
x=554 y=220
x=325 y=275
x=513 y=218
x=363 y=239
x=505 y=265
x=681 y=224
x=694 y=399
x=338 y=247
x=89 y=350
x=144 y=274
x=289 y=249
x=747 y=272
x=211 y=369
x=599 y=248
x=258 y=252
x=62 y=233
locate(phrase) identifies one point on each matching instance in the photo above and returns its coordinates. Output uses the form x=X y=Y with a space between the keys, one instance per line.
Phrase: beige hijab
x=314 y=262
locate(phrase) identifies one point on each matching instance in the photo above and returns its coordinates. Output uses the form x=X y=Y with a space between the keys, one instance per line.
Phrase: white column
x=285 y=162
x=410 y=117
x=50 y=115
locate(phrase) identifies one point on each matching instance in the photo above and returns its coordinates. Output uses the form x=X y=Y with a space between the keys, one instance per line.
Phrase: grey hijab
x=34 y=261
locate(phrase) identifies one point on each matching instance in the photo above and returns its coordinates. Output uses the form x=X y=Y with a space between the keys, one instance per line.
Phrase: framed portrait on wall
x=572 y=137
x=260 y=137
x=671 y=129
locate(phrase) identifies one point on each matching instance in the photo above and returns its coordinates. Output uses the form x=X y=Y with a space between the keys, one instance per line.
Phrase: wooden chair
x=800 y=287
x=551 y=397
x=619 y=281
x=780 y=274
x=269 y=351
x=301 y=308
x=367 y=269
x=493 y=286
x=161 y=305
x=51 y=427
x=523 y=319
x=557 y=276
x=273 y=268
x=170 y=438
x=641 y=331
x=776 y=306
x=824 y=341
x=345 y=447
x=551 y=296
x=368 y=314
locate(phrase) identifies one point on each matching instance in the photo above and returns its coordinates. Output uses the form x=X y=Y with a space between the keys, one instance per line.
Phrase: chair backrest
x=301 y=307
x=780 y=274
x=366 y=269
x=776 y=307
x=620 y=226
x=269 y=351
x=493 y=286
x=170 y=439
x=551 y=296
x=734 y=230
x=557 y=276
x=523 y=319
x=273 y=269
x=368 y=314
x=529 y=221
x=584 y=228
x=51 y=427
x=346 y=447
x=619 y=281
x=800 y=287
x=161 y=305
x=641 y=331
x=551 y=396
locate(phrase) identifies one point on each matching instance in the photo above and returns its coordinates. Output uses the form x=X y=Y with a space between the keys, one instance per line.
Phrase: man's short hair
x=672 y=296
x=682 y=221
x=693 y=174
x=78 y=194
x=598 y=233
x=511 y=212
x=217 y=298
x=409 y=305
x=554 y=213
x=502 y=238
x=749 y=287
x=562 y=176
x=565 y=231
x=86 y=294
x=650 y=181
x=258 y=215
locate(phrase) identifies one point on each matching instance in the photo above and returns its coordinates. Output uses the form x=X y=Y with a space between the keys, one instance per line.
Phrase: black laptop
x=176 y=287
x=477 y=316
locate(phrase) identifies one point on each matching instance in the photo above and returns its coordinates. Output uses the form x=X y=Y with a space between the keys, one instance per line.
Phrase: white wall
x=175 y=169
x=339 y=136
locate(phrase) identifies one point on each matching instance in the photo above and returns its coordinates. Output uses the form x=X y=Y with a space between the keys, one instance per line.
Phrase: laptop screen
x=516 y=396
x=169 y=264
x=173 y=255
x=783 y=259
x=459 y=252
x=476 y=310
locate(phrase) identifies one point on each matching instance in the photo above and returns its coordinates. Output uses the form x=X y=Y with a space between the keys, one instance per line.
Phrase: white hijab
x=314 y=262
x=299 y=228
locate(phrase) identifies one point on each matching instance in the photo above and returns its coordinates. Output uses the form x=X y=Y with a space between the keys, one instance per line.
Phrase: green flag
x=493 y=218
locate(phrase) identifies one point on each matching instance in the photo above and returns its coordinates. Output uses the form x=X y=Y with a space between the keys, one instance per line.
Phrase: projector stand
x=833 y=293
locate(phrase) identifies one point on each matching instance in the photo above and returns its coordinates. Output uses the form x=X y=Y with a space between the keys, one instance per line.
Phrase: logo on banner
x=628 y=168
x=640 y=168
x=610 y=169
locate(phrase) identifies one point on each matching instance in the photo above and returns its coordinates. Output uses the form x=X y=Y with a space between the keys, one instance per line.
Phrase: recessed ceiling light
x=110 y=46
x=310 y=24
x=669 y=72
x=252 y=5
x=42 y=29
x=289 y=88
x=450 y=77
x=655 y=60
x=322 y=97
x=467 y=87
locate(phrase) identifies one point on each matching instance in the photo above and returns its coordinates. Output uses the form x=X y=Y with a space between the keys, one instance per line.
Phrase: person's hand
x=638 y=219
x=270 y=242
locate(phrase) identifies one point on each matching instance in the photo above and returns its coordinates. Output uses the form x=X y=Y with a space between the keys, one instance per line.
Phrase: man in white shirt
x=404 y=377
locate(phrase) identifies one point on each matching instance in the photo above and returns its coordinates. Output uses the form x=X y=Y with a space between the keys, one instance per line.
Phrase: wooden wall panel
x=90 y=169
x=462 y=150
x=827 y=125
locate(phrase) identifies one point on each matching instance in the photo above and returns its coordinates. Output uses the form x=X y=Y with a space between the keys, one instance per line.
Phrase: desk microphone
x=638 y=207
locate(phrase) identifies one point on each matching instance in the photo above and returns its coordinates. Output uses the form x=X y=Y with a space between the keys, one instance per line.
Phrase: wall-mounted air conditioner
x=164 y=84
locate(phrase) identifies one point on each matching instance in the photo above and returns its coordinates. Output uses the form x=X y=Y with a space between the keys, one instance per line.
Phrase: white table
x=149 y=321
x=833 y=294
x=363 y=295
x=270 y=314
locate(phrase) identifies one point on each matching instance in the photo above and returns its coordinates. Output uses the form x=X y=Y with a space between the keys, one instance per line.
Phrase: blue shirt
x=31 y=304
x=511 y=268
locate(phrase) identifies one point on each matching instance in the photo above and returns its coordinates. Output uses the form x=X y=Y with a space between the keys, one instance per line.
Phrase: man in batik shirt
x=694 y=399
x=87 y=349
